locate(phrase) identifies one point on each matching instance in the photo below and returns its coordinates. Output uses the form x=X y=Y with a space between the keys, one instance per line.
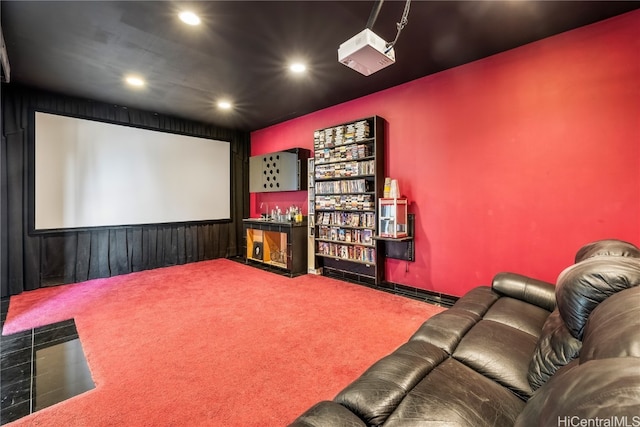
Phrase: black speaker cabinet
x=280 y=171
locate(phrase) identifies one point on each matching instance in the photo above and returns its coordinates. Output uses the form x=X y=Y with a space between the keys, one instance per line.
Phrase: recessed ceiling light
x=298 y=67
x=189 y=17
x=224 y=105
x=134 y=81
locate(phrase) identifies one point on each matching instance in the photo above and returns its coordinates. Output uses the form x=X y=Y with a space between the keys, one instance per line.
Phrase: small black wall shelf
x=401 y=248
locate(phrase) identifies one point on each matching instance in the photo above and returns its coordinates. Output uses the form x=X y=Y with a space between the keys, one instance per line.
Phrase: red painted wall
x=511 y=162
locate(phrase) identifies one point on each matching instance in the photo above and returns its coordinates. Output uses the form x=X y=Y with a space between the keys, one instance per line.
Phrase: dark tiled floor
x=40 y=367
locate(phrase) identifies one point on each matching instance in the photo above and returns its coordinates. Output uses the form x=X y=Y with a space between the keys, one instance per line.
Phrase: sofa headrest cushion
x=607 y=247
x=613 y=329
x=583 y=286
x=603 y=389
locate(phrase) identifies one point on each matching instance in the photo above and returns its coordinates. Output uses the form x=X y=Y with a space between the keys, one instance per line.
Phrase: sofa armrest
x=533 y=291
x=327 y=414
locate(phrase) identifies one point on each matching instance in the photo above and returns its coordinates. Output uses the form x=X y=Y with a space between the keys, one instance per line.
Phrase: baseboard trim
x=434 y=298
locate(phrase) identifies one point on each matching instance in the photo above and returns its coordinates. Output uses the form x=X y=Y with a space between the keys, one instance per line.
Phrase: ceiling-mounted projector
x=366 y=52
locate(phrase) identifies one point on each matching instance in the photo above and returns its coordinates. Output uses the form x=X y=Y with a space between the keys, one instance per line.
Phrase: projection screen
x=95 y=174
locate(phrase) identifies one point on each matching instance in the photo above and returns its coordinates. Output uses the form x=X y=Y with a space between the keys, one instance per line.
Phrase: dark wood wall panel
x=83 y=251
x=135 y=249
x=33 y=260
x=70 y=253
x=182 y=247
x=68 y=258
x=170 y=246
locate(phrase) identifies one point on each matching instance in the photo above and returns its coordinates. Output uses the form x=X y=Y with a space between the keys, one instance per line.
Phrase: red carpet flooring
x=215 y=343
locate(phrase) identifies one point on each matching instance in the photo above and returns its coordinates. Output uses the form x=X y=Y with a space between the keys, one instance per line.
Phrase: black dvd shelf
x=349 y=178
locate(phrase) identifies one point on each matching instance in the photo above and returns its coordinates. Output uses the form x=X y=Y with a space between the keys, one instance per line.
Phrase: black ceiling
x=242 y=48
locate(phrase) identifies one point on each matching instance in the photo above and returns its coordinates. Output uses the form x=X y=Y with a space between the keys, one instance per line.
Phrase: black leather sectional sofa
x=521 y=352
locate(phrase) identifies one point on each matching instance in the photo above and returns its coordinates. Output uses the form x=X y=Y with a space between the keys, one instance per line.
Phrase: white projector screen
x=95 y=174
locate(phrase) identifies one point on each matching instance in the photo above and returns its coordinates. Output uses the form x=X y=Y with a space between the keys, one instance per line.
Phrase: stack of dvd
x=339 y=135
x=328 y=137
x=350 y=133
x=366 y=168
x=362 y=130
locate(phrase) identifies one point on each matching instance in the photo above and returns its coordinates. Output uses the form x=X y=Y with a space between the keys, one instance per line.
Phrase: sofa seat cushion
x=379 y=390
x=555 y=348
x=455 y=395
x=327 y=414
x=499 y=352
x=446 y=329
x=518 y=314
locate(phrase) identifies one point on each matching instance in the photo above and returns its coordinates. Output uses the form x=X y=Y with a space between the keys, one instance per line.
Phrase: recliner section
x=503 y=355
x=604 y=381
x=453 y=357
